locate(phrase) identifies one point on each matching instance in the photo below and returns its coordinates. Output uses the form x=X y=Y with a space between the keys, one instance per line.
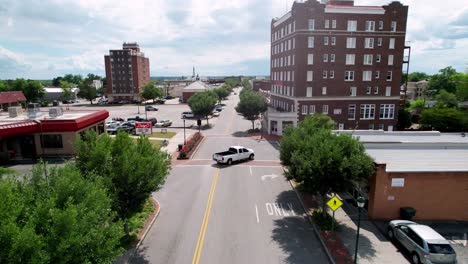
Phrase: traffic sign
x=143 y=128
x=334 y=203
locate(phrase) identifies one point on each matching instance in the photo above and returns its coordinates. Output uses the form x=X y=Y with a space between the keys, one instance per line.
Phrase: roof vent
x=15 y=111
x=55 y=112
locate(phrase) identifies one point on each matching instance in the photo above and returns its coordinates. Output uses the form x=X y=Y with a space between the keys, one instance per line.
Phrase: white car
x=424 y=243
x=187 y=115
x=215 y=113
x=234 y=153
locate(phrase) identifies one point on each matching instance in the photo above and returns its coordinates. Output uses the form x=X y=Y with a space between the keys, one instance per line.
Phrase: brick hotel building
x=338 y=59
x=127 y=71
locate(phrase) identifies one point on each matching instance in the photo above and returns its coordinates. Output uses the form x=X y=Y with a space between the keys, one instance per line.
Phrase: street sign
x=334 y=203
x=143 y=128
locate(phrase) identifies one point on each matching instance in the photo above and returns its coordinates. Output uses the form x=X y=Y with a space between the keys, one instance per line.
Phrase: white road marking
x=250 y=168
x=279 y=209
x=271 y=176
x=256 y=211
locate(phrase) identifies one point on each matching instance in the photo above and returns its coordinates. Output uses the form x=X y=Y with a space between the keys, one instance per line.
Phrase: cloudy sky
x=41 y=39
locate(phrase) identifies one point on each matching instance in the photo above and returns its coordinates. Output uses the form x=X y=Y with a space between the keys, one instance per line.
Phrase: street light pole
x=360 y=203
x=184 y=133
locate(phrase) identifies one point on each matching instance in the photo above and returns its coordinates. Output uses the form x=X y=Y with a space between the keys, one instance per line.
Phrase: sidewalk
x=171 y=148
x=374 y=247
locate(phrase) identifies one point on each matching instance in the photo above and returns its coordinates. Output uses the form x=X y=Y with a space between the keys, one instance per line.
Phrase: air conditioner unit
x=55 y=112
x=15 y=111
x=34 y=110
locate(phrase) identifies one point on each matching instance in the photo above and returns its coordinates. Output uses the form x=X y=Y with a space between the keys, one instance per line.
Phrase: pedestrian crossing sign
x=334 y=203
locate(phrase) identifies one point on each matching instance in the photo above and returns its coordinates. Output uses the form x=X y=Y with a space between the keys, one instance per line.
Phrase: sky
x=42 y=39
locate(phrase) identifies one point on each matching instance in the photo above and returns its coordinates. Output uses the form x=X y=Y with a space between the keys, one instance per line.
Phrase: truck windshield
x=233 y=150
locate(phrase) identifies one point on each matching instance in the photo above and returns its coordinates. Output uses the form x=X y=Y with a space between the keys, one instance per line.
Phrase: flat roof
x=44 y=115
x=420 y=137
x=421 y=160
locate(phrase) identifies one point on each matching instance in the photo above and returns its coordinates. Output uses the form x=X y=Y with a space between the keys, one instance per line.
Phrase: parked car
x=151 y=108
x=168 y=97
x=234 y=153
x=136 y=118
x=103 y=101
x=127 y=127
x=187 y=115
x=160 y=101
x=215 y=114
x=163 y=123
x=424 y=243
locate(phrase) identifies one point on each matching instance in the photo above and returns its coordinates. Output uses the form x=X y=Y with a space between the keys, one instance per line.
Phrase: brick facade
x=309 y=50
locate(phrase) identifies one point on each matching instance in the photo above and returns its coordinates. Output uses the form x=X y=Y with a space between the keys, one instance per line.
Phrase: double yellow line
x=206 y=218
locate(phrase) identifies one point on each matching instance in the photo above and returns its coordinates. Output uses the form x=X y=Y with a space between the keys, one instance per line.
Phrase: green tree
x=75 y=79
x=3 y=87
x=446 y=99
x=151 y=92
x=87 y=90
x=130 y=170
x=221 y=93
x=443 y=80
x=417 y=76
x=203 y=104
x=461 y=82
x=442 y=119
x=404 y=119
x=251 y=105
x=232 y=81
x=323 y=162
x=67 y=93
x=33 y=91
x=418 y=104
x=61 y=218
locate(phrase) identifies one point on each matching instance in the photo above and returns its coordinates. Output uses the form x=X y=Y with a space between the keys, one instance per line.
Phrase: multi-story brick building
x=338 y=59
x=127 y=71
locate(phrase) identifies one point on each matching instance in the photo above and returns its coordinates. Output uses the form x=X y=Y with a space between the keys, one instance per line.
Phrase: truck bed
x=224 y=153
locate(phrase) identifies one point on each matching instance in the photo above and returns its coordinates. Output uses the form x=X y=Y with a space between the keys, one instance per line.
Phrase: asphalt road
x=245 y=213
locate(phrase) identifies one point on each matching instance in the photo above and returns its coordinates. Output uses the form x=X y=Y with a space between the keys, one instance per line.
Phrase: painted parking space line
x=256 y=212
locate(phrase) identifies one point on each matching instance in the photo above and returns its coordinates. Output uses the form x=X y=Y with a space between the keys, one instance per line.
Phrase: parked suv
x=187 y=115
x=424 y=243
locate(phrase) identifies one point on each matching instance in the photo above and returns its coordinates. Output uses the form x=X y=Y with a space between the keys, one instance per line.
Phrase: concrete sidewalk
x=374 y=247
x=172 y=147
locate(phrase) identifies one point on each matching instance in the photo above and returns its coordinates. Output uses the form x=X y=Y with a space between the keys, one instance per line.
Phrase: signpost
x=334 y=203
x=143 y=128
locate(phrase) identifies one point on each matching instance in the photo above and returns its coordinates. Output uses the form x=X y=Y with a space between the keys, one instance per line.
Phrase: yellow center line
x=206 y=217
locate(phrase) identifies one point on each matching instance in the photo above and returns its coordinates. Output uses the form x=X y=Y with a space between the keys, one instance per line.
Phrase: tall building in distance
x=127 y=71
x=339 y=59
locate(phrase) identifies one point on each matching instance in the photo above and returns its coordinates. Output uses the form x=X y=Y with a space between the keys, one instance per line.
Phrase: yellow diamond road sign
x=334 y=203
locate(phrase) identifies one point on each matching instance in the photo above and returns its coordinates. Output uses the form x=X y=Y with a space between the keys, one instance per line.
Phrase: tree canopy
x=443 y=80
x=131 y=171
x=58 y=218
x=442 y=119
x=417 y=76
x=151 y=92
x=203 y=104
x=251 y=105
x=446 y=99
x=221 y=93
x=87 y=89
x=322 y=161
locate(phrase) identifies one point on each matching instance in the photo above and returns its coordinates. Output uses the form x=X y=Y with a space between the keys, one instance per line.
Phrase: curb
x=151 y=224
x=198 y=146
x=145 y=233
x=317 y=233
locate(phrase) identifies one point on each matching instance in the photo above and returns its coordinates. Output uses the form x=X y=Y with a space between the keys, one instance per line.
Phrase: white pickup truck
x=235 y=153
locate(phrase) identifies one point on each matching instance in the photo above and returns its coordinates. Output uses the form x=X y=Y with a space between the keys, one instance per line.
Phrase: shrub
x=325 y=223
x=191 y=143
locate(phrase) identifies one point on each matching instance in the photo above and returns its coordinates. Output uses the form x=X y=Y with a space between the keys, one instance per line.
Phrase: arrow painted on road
x=271 y=176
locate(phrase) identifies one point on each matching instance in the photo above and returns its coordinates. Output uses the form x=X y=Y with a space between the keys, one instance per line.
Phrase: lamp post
x=184 y=132
x=360 y=203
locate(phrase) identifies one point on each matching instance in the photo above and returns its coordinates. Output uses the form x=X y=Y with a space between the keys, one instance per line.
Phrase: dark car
x=151 y=108
x=136 y=118
x=160 y=101
x=168 y=97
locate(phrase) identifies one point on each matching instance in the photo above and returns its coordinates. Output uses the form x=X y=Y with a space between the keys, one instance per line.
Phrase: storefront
x=22 y=138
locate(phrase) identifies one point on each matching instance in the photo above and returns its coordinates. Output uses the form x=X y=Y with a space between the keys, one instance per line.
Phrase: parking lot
x=171 y=110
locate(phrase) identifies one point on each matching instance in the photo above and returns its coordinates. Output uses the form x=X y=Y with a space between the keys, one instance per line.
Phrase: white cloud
x=217 y=37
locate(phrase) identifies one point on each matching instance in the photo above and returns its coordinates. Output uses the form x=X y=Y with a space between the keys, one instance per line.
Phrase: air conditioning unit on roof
x=55 y=112
x=15 y=111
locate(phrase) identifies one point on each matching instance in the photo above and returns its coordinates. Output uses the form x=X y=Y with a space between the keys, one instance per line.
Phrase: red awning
x=19 y=128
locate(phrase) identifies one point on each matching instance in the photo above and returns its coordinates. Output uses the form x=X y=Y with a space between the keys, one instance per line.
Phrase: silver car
x=424 y=243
